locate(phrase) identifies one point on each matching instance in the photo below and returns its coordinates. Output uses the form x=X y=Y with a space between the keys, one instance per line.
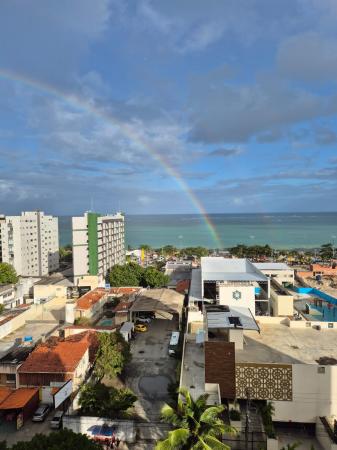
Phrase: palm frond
x=215 y=444
x=211 y=414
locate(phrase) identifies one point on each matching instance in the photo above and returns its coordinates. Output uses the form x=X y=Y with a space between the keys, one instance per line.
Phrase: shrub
x=234 y=415
x=100 y=400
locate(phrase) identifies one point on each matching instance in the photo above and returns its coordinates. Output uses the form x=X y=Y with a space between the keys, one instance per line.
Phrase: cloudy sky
x=126 y=105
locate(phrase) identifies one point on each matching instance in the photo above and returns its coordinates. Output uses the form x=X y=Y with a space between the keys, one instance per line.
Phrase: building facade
x=98 y=244
x=30 y=243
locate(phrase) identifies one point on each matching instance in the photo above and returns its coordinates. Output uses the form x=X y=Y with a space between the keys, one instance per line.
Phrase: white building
x=280 y=272
x=234 y=282
x=30 y=243
x=98 y=244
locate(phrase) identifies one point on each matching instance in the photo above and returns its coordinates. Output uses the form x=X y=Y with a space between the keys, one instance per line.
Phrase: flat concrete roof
x=272 y=266
x=228 y=269
x=193 y=367
x=284 y=345
x=34 y=329
x=195 y=286
x=235 y=317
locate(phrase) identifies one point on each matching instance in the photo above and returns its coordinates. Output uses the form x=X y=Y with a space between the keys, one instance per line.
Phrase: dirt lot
x=151 y=369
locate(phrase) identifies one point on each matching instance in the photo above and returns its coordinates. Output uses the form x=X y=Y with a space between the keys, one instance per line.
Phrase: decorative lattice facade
x=264 y=381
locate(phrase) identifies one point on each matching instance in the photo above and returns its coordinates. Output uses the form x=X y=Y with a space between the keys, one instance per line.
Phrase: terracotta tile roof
x=90 y=298
x=56 y=356
x=183 y=286
x=124 y=290
x=19 y=398
x=4 y=393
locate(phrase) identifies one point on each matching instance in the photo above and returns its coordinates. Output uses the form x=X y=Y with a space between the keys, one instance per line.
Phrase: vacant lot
x=151 y=369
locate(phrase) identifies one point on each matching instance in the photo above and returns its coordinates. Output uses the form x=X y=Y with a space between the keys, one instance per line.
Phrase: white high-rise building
x=98 y=244
x=30 y=243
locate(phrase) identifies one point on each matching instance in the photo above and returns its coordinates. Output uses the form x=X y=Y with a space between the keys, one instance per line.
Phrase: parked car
x=140 y=327
x=41 y=413
x=142 y=319
x=56 y=421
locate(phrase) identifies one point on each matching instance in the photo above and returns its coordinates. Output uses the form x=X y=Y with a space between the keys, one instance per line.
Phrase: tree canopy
x=327 y=251
x=154 y=278
x=59 y=440
x=7 y=274
x=251 y=251
x=132 y=274
x=112 y=355
x=100 y=400
x=197 y=426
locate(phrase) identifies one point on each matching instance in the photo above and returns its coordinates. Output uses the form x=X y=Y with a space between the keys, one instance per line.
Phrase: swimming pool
x=324 y=305
x=105 y=323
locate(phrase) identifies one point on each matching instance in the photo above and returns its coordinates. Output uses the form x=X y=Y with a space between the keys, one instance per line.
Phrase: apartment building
x=98 y=244
x=30 y=243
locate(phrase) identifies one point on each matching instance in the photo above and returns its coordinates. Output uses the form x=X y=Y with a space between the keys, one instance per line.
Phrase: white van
x=174 y=343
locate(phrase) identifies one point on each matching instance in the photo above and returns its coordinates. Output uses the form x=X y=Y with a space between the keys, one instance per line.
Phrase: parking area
x=9 y=433
x=152 y=370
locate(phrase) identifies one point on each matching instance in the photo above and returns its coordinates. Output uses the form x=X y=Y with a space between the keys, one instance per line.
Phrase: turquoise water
x=328 y=310
x=302 y=230
x=105 y=323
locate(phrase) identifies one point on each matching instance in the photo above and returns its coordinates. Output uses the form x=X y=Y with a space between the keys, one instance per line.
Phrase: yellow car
x=140 y=327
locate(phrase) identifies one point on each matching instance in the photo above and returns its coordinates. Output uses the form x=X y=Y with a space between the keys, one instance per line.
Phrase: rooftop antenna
x=91 y=204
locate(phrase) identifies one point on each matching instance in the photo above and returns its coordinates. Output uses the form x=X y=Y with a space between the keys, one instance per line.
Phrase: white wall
x=247 y=299
x=314 y=394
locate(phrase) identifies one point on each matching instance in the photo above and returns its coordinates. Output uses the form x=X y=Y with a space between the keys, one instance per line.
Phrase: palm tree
x=197 y=426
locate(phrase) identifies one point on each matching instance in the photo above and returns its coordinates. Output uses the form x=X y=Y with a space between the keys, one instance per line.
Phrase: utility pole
x=247 y=419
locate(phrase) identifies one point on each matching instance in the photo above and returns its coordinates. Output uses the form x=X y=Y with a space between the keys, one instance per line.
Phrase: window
x=10 y=378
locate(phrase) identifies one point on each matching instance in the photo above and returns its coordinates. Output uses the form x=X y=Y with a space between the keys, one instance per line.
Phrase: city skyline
x=151 y=107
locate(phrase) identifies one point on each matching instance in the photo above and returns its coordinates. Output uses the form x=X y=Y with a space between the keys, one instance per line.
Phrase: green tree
x=2 y=308
x=197 y=426
x=112 y=355
x=169 y=250
x=145 y=247
x=267 y=411
x=59 y=440
x=154 y=278
x=7 y=274
x=194 y=251
x=326 y=251
x=123 y=276
x=100 y=400
x=66 y=253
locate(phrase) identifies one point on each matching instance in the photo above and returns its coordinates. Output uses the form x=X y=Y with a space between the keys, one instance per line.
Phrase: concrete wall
x=281 y=276
x=50 y=311
x=283 y=305
x=314 y=394
x=247 y=299
x=49 y=290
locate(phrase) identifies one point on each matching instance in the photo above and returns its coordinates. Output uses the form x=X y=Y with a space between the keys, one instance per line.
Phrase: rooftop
x=57 y=279
x=124 y=290
x=16 y=356
x=160 y=300
x=195 y=286
x=222 y=316
x=57 y=356
x=19 y=398
x=6 y=287
x=226 y=269
x=35 y=330
x=284 y=345
x=90 y=298
x=272 y=266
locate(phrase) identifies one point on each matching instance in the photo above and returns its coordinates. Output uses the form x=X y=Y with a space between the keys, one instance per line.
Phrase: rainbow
x=127 y=130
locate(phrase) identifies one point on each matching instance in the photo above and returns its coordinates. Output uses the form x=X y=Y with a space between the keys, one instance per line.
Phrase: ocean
x=281 y=231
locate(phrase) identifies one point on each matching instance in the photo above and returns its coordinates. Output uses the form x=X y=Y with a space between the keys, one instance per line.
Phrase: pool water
x=105 y=323
x=328 y=311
